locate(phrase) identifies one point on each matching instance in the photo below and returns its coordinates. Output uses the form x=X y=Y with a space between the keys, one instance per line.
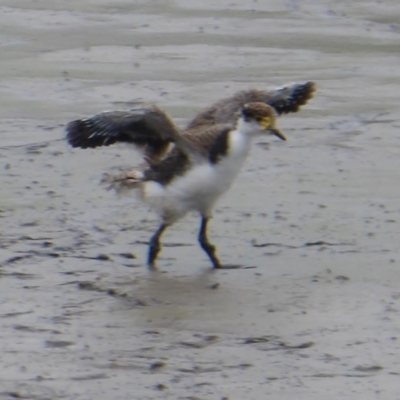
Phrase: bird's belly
x=197 y=190
x=203 y=185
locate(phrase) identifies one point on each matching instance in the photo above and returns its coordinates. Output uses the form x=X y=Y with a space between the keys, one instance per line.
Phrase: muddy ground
x=317 y=317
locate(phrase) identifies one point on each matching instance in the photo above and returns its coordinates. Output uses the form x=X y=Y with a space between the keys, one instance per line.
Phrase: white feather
x=201 y=186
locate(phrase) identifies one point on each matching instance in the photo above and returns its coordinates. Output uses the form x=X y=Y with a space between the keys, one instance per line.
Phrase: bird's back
x=205 y=144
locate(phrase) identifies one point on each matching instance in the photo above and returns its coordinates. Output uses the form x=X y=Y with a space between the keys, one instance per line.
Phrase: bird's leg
x=206 y=245
x=155 y=247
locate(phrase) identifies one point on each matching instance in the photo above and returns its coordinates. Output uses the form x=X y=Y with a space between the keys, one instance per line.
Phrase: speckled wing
x=289 y=99
x=284 y=100
x=148 y=128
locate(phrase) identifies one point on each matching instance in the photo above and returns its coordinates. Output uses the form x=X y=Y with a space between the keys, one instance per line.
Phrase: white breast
x=201 y=186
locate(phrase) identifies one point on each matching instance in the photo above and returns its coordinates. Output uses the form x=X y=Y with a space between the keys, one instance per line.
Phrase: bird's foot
x=234 y=266
x=152 y=267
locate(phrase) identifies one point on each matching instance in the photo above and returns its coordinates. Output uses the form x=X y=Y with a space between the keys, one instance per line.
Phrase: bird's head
x=260 y=118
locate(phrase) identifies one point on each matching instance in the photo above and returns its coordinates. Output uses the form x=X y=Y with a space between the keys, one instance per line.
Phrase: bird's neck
x=239 y=143
x=247 y=129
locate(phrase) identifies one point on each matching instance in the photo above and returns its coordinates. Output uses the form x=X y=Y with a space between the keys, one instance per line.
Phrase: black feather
x=145 y=127
x=291 y=98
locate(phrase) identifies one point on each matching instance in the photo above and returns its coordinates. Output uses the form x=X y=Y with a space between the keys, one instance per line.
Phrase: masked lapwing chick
x=185 y=170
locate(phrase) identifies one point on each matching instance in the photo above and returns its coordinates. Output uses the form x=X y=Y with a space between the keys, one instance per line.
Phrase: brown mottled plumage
x=150 y=129
x=284 y=100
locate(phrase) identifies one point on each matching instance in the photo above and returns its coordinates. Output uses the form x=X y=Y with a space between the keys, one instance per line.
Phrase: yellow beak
x=277 y=133
x=265 y=123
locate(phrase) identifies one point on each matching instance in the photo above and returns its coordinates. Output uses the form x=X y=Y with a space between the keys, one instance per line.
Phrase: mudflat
x=315 y=314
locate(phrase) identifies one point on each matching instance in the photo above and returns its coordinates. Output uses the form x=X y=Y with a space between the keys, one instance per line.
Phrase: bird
x=188 y=169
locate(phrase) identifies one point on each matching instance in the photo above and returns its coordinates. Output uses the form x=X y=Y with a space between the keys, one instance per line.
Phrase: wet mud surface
x=315 y=220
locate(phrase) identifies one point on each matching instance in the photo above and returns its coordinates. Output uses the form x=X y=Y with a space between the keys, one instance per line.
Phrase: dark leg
x=206 y=245
x=154 y=246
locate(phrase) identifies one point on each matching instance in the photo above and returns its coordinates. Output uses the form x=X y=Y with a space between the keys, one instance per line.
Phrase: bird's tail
x=123 y=182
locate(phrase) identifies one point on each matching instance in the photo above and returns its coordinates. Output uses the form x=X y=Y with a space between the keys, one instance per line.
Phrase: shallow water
x=317 y=316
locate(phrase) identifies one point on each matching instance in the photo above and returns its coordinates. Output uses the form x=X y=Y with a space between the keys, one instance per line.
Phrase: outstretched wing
x=284 y=100
x=290 y=98
x=148 y=127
